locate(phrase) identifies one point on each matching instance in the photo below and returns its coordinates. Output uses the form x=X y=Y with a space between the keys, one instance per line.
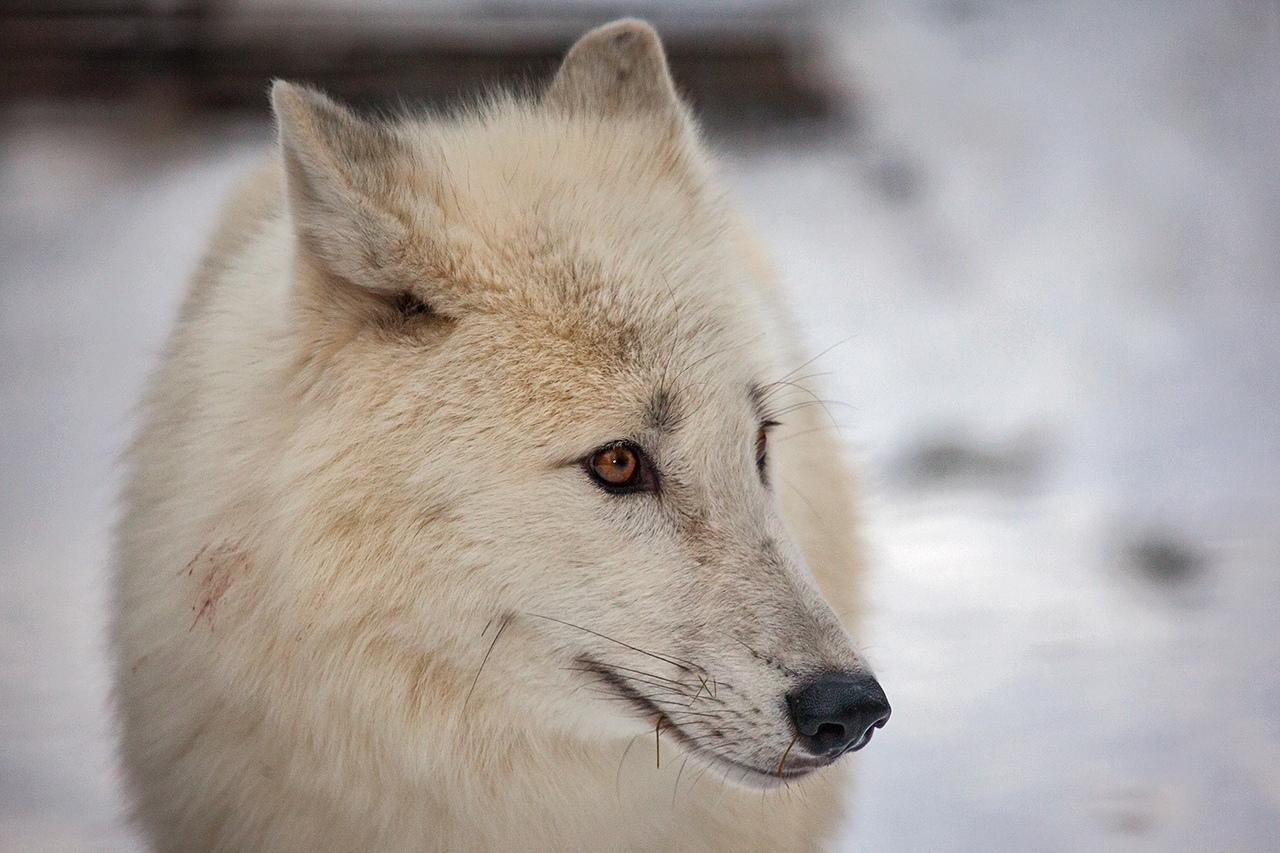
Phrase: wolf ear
x=617 y=69
x=344 y=178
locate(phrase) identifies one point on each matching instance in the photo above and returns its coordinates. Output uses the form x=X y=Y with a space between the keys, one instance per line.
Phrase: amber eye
x=620 y=468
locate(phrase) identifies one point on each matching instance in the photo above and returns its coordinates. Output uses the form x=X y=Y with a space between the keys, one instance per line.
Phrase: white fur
x=334 y=509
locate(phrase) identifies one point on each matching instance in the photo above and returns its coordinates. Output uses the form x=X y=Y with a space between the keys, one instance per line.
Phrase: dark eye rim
x=645 y=478
x=762 y=449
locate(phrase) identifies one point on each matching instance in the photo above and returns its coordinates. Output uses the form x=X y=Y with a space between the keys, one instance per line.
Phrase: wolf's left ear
x=618 y=69
x=347 y=180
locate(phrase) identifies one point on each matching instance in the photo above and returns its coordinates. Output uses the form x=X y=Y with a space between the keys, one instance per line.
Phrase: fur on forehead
x=536 y=205
x=594 y=195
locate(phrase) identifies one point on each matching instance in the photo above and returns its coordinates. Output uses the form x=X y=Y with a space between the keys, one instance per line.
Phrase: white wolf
x=452 y=523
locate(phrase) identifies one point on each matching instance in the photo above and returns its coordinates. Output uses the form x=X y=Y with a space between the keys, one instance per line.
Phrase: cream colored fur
x=350 y=528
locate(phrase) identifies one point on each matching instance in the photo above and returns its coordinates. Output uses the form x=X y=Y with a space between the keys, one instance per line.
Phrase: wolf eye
x=762 y=446
x=620 y=467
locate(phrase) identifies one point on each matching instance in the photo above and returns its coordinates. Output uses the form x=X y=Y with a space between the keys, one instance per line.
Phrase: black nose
x=837 y=712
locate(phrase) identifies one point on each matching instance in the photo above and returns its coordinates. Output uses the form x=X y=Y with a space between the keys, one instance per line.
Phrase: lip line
x=618 y=683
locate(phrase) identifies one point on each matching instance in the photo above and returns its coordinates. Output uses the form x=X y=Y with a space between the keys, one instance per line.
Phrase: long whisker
x=679 y=663
x=816 y=401
x=788 y=437
x=775 y=388
x=696 y=779
x=810 y=361
x=665 y=706
x=676 y=788
x=617 y=782
x=660 y=689
x=670 y=683
x=497 y=635
x=819 y=514
x=647 y=674
x=815 y=375
x=712 y=714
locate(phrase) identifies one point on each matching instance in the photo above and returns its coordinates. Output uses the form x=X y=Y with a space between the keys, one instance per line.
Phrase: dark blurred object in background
x=750 y=59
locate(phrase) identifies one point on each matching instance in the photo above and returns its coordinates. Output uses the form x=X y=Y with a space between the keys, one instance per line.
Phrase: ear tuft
x=616 y=69
x=293 y=103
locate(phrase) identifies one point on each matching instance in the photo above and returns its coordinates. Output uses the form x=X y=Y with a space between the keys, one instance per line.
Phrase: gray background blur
x=1038 y=243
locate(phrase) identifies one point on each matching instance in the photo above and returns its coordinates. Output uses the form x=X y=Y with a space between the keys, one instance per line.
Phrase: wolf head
x=528 y=485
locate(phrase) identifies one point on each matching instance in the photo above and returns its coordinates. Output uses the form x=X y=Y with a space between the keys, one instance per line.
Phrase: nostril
x=837 y=712
x=830 y=731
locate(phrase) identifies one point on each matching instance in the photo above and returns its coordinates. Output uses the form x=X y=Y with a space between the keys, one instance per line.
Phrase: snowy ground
x=1051 y=249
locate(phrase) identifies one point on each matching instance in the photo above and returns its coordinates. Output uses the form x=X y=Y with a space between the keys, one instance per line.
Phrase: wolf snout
x=836 y=712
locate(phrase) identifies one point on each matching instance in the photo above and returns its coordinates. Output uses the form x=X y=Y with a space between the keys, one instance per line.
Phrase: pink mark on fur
x=191 y=564
x=219 y=567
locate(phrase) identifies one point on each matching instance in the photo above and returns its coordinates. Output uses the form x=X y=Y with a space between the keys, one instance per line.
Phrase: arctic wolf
x=478 y=504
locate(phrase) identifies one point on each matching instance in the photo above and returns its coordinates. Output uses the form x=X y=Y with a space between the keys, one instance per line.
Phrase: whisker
x=797 y=379
x=743 y=643
x=659 y=689
x=657 y=742
x=775 y=388
x=816 y=401
x=783 y=439
x=613 y=697
x=786 y=752
x=676 y=788
x=793 y=487
x=497 y=635
x=617 y=782
x=696 y=738
x=654 y=675
x=696 y=779
x=631 y=678
x=678 y=663
x=810 y=361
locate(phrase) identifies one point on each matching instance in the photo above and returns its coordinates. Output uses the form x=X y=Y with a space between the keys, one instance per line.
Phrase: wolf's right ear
x=347 y=181
x=616 y=70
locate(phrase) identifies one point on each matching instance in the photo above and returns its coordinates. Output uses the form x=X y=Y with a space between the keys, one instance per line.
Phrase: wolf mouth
x=772 y=776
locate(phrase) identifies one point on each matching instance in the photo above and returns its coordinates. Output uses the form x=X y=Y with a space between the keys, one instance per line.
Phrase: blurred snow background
x=1046 y=260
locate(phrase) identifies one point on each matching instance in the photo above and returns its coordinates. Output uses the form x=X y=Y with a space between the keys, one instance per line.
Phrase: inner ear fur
x=346 y=182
